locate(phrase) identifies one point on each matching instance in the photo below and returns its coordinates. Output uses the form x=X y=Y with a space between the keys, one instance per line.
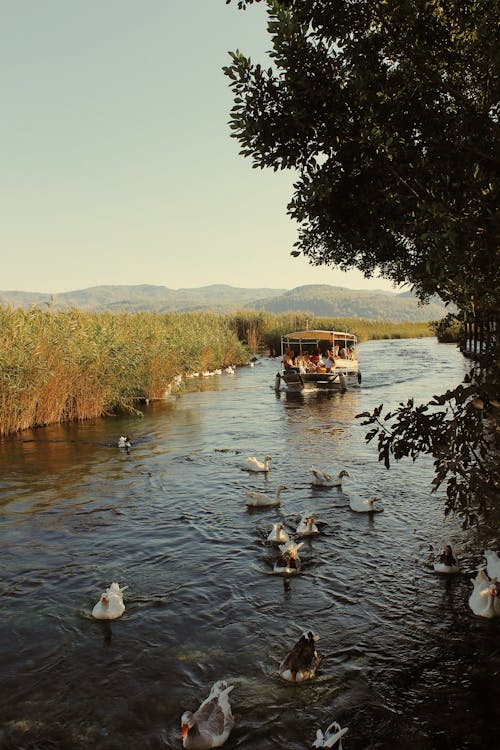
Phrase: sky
x=116 y=161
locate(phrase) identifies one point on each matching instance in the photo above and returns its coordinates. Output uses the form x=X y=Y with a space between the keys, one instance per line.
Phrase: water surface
x=405 y=664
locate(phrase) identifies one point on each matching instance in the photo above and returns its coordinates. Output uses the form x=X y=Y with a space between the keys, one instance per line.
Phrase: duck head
x=186 y=723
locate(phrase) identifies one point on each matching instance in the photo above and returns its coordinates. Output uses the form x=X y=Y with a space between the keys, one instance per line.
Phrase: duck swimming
x=365 y=506
x=332 y=735
x=492 y=564
x=302 y=661
x=124 y=442
x=484 y=600
x=306 y=527
x=110 y=606
x=445 y=561
x=261 y=500
x=322 y=479
x=278 y=534
x=289 y=562
x=211 y=724
x=253 y=464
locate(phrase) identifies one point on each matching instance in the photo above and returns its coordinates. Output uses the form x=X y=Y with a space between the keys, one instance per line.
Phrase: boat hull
x=329 y=381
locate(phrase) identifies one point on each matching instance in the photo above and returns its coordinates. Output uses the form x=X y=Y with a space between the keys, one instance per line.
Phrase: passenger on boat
x=288 y=361
x=329 y=360
x=343 y=352
x=320 y=366
x=446 y=556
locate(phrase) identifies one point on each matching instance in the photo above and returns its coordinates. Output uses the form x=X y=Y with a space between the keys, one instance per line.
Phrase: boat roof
x=320 y=336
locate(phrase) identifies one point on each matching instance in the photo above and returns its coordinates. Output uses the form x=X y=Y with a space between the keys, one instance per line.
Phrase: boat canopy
x=314 y=336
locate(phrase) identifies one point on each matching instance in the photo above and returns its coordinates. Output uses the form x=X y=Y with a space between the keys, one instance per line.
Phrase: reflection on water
x=403 y=659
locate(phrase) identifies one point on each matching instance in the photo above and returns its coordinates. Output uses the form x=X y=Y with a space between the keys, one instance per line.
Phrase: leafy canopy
x=388 y=111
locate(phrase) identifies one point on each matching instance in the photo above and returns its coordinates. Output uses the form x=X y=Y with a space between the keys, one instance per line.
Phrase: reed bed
x=264 y=330
x=71 y=366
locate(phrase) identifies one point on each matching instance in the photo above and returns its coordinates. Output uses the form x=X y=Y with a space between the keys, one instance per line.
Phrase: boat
x=299 y=373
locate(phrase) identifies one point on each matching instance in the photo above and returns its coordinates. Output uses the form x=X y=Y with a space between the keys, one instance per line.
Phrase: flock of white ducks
x=211 y=724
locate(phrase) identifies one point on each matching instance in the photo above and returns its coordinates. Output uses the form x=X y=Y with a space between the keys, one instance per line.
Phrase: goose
x=306 y=526
x=365 y=506
x=261 y=500
x=253 y=464
x=332 y=735
x=322 y=479
x=124 y=442
x=484 y=600
x=302 y=661
x=110 y=606
x=289 y=562
x=278 y=534
x=445 y=562
x=492 y=564
x=211 y=724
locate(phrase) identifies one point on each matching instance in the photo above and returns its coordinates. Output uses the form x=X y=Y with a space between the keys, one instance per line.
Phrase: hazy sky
x=116 y=162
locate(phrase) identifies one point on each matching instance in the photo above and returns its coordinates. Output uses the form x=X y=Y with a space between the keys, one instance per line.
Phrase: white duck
x=253 y=464
x=278 y=534
x=211 y=724
x=484 y=600
x=289 y=562
x=322 y=479
x=302 y=661
x=124 y=441
x=492 y=564
x=110 y=606
x=446 y=562
x=359 y=505
x=261 y=500
x=306 y=526
x=332 y=735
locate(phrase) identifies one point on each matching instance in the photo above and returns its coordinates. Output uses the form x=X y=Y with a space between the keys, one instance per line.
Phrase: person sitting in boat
x=320 y=365
x=446 y=556
x=308 y=364
x=343 y=352
x=288 y=360
x=351 y=353
x=315 y=356
x=328 y=360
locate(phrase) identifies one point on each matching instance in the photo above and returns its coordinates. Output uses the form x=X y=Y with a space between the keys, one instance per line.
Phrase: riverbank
x=69 y=366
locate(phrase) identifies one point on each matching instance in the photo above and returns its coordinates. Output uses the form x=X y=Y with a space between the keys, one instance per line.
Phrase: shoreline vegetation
x=71 y=366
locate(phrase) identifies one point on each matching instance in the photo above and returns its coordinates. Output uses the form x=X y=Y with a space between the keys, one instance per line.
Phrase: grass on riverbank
x=262 y=329
x=70 y=366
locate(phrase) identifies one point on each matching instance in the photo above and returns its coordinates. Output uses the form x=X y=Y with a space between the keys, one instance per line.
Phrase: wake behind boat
x=319 y=360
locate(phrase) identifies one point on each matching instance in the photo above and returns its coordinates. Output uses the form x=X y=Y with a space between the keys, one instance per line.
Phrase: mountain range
x=319 y=299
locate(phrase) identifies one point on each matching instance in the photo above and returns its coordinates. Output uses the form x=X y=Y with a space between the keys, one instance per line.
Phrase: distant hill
x=142 y=297
x=319 y=299
x=334 y=301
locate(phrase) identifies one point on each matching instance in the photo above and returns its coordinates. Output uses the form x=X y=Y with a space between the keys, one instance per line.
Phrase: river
x=405 y=663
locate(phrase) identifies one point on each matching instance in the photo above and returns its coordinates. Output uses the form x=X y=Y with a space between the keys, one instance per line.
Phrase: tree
x=388 y=112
